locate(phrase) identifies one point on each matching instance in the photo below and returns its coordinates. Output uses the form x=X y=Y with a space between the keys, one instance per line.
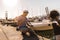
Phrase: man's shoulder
x=21 y=18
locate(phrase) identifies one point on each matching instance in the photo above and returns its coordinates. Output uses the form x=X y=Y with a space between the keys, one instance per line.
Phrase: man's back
x=21 y=21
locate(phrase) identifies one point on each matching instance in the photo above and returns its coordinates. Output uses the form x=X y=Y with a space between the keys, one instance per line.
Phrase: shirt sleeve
x=55 y=22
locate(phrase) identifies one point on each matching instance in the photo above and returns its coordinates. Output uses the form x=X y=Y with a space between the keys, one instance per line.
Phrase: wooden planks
x=10 y=33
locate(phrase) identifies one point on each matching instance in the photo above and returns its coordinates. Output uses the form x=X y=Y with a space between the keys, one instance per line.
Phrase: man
x=22 y=23
x=55 y=23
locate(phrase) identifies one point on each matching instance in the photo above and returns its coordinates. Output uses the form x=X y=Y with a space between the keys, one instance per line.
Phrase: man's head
x=25 y=12
x=54 y=14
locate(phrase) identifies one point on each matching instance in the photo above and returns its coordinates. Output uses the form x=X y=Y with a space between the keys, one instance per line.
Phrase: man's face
x=25 y=12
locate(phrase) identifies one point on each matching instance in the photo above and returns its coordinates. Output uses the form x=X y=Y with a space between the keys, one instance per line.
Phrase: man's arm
x=29 y=24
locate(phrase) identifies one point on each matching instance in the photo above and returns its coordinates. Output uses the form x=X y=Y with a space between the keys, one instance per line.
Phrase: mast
x=47 y=12
x=6 y=15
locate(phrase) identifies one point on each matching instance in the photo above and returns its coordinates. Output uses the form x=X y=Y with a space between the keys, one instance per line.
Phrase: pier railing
x=46 y=33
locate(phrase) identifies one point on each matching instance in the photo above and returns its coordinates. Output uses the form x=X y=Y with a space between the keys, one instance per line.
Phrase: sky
x=35 y=7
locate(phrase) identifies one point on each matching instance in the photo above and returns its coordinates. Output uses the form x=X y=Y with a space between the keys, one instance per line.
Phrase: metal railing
x=46 y=33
